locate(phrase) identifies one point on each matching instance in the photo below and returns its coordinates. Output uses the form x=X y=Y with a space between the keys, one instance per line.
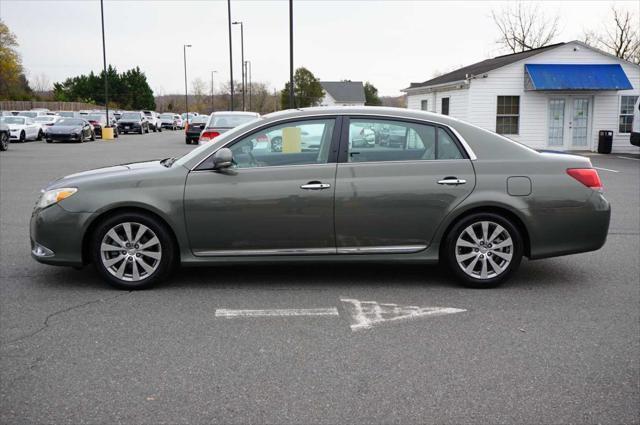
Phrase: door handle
x=452 y=181
x=315 y=186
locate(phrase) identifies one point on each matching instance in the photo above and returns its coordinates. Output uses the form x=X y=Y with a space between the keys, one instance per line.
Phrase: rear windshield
x=200 y=119
x=12 y=120
x=170 y=116
x=230 y=121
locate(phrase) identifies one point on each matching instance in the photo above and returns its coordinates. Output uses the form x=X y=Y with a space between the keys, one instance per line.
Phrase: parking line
x=626 y=157
x=223 y=312
x=606 y=169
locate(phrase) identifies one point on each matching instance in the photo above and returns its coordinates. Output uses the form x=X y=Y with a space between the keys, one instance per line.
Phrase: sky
x=389 y=43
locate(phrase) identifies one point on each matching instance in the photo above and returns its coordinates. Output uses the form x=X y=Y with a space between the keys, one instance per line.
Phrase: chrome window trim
x=397 y=249
x=463 y=142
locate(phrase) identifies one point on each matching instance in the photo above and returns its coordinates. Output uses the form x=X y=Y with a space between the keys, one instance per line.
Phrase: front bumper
x=129 y=127
x=62 y=137
x=56 y=235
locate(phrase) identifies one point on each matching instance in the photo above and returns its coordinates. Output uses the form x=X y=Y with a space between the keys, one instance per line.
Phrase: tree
x=13 y=83
x=524 y=27
x=307 y=90
x=371 y=95
x=621 y=38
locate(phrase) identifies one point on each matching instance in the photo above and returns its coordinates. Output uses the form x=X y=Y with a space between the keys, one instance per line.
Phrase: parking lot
x=558 y=343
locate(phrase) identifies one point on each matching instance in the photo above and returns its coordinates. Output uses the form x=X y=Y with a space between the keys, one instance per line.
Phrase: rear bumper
x=56 y=236
x=563 y=231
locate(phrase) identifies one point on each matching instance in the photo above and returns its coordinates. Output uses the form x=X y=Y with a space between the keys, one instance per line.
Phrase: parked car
x=5 y=134
x=70 y=130
x=221 y=122
x=465 y=196
x=195 y=127
x=168 y=120
x=47 y=120
x=179 y=122
x=23 y=128
x=31 y=114
x=133 y=122
x=635 y=126
x=154 y=120
x=68 y=114
x=99 y=121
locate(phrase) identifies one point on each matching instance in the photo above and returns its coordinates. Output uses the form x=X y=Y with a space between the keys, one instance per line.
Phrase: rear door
x=392 y=194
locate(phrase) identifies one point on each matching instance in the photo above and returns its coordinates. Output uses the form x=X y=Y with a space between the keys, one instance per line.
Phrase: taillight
x=208 y=135
x=587 y=176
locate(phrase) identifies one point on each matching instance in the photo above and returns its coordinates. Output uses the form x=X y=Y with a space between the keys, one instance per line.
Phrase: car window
x=294 y=143
x=386 y=140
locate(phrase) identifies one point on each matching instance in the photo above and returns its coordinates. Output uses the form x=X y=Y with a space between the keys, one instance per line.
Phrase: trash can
x=107 y=133
x=605 y=140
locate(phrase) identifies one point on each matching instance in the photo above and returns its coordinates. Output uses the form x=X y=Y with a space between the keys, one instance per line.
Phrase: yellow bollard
x=107 y=133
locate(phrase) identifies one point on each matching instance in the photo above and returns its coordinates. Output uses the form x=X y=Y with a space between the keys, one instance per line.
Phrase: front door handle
x=315 y=186
x=452 y=181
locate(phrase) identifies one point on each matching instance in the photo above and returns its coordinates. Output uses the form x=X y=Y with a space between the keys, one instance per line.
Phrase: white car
x=179 y=122
x=23 y=128
x=168 y=120
x=32 y=114
x=154 y=120
x=47 y=120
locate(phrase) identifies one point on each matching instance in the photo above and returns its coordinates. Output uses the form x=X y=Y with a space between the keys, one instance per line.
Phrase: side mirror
x=223 y=158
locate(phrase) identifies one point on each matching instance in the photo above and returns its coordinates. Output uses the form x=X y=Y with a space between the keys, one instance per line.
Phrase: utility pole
x=104 y=59
x=248 y=65
x=213 y=108
x=291 y=97
x=230 y=54
x=186 y=93
x=244 y=70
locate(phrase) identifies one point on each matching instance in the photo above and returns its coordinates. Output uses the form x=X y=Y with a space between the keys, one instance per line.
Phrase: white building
x=555 y=97
x=342 y=93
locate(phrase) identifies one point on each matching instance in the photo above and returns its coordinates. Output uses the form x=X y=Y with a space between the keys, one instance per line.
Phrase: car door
x=271 y=202
x=392 y=198
x=31 y=129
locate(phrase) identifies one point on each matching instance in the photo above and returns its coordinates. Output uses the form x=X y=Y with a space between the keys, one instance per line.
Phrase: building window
x=424 y=105
x=508 y=116
x=445 y=106
x=626 y=113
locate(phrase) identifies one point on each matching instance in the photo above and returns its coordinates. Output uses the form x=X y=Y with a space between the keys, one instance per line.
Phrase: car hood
x=114 y=172
x=16 y=126
x=63 y=129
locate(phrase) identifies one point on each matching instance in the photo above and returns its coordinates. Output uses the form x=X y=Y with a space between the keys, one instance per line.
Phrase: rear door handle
x=315 y=186
x=452 y=181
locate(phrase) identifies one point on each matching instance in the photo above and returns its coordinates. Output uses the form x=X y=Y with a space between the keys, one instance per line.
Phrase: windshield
x=44 y=119
x=70 y=121
x=12 y=120
x=67 y=114
x=230 y=120
x=167 y=116
x=130 y=116
x=95 y=117
x=29 y=114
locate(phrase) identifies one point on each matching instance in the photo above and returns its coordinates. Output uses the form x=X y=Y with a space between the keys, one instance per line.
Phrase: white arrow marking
x=223 y=312
x=365 y=314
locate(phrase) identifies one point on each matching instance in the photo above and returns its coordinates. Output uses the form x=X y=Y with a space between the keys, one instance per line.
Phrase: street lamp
x=212 y=104
x=230 y=55
x=242 y=60
x=247 y=65
x=291 y=98
x=104 y=58
x=186 y=93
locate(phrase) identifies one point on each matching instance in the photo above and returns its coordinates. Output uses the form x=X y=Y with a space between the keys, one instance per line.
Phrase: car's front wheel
x=483 y=250
x=4 y=141
x=133 y=251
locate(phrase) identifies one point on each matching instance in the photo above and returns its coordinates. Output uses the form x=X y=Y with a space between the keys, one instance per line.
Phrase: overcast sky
x=389 y=43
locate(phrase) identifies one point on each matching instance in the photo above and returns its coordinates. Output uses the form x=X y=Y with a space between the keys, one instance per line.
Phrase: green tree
x=140 y=94
x=371 y=95
x=13 y=83
x=307 y=90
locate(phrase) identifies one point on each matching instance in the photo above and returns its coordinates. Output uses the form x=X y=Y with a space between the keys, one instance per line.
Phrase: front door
x=569 y=122
x=277 y=199
x=395 y=184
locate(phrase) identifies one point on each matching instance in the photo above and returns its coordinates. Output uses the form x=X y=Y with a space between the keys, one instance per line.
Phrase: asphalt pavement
x=560 y=343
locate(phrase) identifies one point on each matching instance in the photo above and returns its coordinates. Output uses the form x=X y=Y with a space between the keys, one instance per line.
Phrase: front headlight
x=54 y=196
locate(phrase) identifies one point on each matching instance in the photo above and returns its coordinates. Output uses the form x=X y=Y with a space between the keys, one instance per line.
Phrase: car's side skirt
x=398 y=249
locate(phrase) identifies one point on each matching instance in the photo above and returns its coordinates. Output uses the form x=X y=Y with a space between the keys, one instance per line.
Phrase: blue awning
x=575 y=77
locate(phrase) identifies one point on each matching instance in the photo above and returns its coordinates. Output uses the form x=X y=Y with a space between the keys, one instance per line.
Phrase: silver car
x=444 y=190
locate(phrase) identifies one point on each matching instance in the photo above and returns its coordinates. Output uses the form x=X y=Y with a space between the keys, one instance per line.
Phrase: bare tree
x=40 y=83
x=620 y=37
x=524 y=27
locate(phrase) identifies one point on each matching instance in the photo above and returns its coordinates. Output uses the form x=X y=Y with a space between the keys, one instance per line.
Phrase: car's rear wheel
x=483 y=250
x=23 y=137
x=4 y=141
x=133 y=251
x=40 y=134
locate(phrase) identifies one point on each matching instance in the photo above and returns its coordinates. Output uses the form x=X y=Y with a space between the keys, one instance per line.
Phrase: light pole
x=248 y=66
x=230 y=55
x=186 y=93
x=104 y=58
x=213 y=108
x=291 y=98
x=242 y=60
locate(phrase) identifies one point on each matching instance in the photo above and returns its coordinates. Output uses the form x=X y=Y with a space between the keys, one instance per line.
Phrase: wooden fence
x=25 y=105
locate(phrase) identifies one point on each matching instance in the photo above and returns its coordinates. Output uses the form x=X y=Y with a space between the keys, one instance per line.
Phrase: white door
x=569 y=122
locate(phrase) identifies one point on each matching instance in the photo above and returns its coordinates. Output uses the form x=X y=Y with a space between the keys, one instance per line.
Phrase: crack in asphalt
x=45 y=324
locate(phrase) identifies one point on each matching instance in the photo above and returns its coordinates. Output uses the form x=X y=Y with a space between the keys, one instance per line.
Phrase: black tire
x=155 y=128
x=93 y=136
x=141 y=129
x=40 y=134
x=23 y=137
x=4 y=141
x=450 y=250
x=160 y=129
x=187 y=141
x=48 y=140
x=148 y=130
x=167 y=248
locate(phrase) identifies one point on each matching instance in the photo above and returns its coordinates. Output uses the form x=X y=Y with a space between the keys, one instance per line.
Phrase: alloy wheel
x=131 y=251
x=484 y=250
